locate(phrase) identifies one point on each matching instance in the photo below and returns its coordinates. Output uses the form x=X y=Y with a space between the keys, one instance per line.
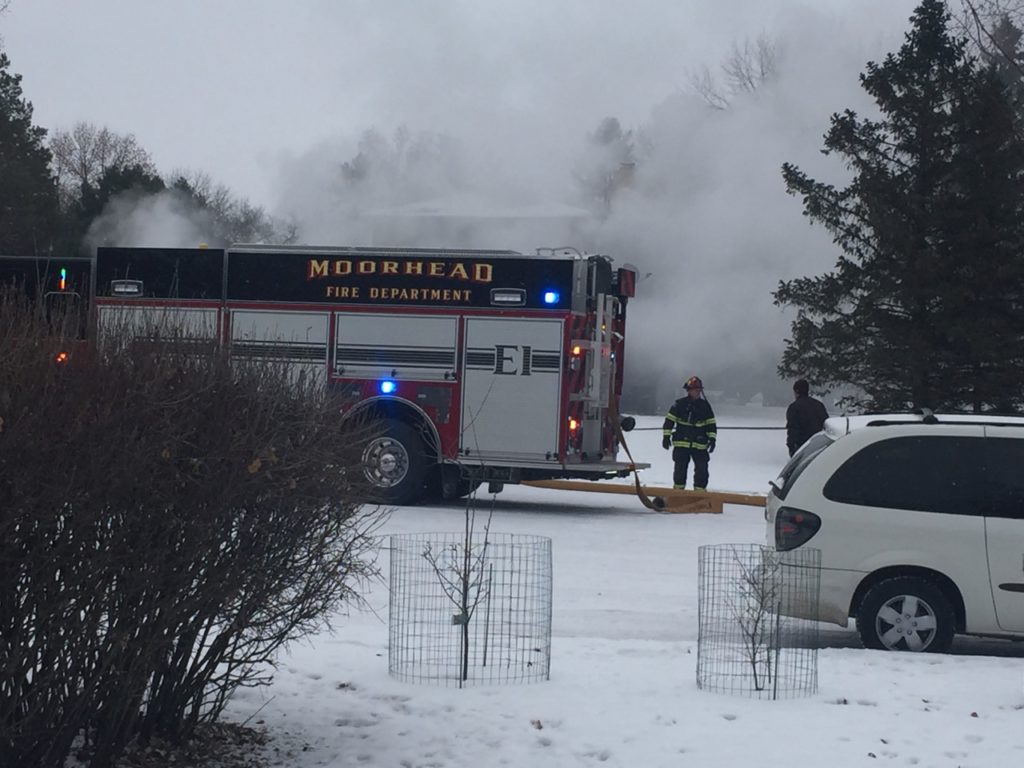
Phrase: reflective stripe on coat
x=691 y=424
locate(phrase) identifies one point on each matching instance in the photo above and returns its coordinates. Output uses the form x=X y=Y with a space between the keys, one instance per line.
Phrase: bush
x=167 y=523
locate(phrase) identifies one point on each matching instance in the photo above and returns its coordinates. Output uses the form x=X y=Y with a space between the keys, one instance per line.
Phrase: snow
x=624 y=647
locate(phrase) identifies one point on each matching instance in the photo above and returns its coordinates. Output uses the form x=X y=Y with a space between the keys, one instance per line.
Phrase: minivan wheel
x=906 y=613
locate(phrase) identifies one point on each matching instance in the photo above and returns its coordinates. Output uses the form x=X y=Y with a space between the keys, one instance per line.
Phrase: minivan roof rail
x=928 y=417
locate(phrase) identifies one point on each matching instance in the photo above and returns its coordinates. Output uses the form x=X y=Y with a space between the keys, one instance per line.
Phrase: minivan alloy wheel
x=906 y=613
x=905 y=619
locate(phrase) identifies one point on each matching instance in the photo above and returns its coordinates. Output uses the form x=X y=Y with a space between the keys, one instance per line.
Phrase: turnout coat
x=690 y=423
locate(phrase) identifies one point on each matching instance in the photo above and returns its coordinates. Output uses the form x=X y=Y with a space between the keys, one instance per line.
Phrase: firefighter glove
x=711 y=446
x=666 y=442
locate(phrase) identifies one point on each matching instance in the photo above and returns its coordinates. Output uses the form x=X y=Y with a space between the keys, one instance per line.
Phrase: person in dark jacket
x=690 y=431
x=805 y=416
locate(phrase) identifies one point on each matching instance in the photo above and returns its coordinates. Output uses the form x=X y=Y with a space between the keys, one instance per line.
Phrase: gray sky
x=235 y=87
x=271 y=97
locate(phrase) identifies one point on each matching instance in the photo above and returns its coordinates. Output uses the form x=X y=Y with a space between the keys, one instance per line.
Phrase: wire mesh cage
x=470 y=610
x=757 y=613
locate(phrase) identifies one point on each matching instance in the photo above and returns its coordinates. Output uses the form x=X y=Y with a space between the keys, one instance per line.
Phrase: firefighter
x=690 y=430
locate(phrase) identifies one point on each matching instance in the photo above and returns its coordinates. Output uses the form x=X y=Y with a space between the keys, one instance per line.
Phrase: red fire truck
x=60 y=287
x=478 y=366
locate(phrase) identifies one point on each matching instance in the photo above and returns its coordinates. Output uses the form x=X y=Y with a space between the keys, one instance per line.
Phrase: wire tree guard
x=470 y=610
x=748 y=641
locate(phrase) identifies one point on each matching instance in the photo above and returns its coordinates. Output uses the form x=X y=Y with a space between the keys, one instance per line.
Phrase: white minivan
x=920 y=522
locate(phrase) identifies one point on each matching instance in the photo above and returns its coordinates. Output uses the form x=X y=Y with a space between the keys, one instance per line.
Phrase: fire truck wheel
x=465 y=488
x=395 y=463
x=453 y=485
x=445 y=483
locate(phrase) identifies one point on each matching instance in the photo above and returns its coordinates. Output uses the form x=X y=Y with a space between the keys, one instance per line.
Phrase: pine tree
x=28 y=193
x=115 y=181
x=924 y=307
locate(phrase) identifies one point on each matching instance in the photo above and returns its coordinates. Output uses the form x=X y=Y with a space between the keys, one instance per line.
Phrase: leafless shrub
x=749 y=639
x=754 y=601
x=470 y=608
x=463 y=571
x=167 y=523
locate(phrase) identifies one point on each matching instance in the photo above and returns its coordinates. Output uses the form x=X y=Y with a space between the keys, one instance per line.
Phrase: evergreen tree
x=115 y=181
x=924 y=307
x=28 y=193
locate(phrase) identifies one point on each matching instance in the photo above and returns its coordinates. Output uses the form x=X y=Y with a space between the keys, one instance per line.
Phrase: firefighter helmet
x=694 y=382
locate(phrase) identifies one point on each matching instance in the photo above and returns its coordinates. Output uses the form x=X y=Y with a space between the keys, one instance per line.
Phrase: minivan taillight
x=794 y=527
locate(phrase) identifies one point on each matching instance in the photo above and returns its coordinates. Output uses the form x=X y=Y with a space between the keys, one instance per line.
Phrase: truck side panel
x=405 y=347
x=512 y=379
x=197 y=322
x=296 y=338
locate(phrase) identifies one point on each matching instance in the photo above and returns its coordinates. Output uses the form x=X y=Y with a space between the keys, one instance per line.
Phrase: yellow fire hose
x=668 y=499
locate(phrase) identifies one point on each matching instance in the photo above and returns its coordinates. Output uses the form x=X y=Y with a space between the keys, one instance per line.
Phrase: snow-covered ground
x=622 y=690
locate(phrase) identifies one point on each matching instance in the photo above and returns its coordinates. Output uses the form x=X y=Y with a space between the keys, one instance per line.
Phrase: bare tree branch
x=84 y=154
x=749 y=65
x=980 y=20
x=704 y=85
x=744 y=70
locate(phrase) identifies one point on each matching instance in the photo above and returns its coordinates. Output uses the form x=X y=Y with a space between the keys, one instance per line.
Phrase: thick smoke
x=708 y=217
x=468 y=124
x=704 y=215
x=164 y=220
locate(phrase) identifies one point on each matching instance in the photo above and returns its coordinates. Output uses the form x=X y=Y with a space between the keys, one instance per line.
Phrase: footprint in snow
x=358 y=722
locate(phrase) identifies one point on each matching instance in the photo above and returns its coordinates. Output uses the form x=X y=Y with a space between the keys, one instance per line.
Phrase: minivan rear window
x=925 y=473
x=799 y=462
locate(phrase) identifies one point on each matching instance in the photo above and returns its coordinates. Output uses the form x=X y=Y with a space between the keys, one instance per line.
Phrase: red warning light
x=572 y=425
x=627 y=283
x=62 y=357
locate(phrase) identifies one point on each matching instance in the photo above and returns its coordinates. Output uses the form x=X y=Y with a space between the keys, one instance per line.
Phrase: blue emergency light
x=551 y=297
x=388 y=386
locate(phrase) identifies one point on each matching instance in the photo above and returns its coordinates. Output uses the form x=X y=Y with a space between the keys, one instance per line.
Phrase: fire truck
x=474 y=365
x=59 y=287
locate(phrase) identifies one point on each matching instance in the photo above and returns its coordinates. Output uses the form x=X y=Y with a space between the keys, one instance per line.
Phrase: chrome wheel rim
x=385 y=462
x=906 y=622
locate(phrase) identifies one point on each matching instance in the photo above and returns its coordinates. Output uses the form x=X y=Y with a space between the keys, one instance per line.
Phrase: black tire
x=465 y=488
x=449 y=485
x=395 y=464
x=906 y=613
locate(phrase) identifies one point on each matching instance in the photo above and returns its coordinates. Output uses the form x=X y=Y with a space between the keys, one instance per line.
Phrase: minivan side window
x=1004 y=477
x=927 y=473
